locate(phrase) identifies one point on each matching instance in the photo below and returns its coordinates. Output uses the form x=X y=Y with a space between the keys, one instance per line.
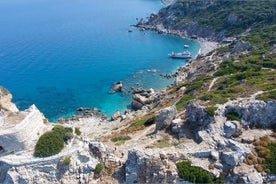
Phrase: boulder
x=97 y=149
x=230 y=127
x=199 y=121
x=136 y=105
x=164 y=119
x=197 y=116
x=117 y=115
x=234 y=154
x=214 y=155
x=118 y=87
x=142 y=99
x=241 y=47
x=245 y=174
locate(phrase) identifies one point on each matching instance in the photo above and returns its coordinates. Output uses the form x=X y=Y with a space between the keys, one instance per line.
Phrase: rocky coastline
x=226 y=139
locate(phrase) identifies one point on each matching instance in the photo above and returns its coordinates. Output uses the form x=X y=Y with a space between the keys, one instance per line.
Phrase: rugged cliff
x=215 y=124
x=211 y=19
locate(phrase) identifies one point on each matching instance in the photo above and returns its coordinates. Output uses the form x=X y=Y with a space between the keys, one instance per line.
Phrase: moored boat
x=181 y=55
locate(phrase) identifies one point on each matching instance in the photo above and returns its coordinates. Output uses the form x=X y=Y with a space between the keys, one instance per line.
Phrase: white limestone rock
x=164 y=119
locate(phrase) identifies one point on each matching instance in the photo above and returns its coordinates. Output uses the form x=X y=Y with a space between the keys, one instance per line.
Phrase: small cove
x=61 y=55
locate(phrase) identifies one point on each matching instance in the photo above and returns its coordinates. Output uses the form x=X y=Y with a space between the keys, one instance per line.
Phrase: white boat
x=186 y=46
x=181 y=55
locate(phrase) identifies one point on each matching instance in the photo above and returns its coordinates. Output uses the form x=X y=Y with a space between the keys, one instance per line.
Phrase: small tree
x=98 y=169
x=77 y=131
x=67 y=160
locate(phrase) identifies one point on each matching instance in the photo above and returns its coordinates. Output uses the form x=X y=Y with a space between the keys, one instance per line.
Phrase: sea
x=64 y=54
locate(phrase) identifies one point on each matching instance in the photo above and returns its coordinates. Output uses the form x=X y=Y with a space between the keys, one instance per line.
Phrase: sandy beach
x=206 y=46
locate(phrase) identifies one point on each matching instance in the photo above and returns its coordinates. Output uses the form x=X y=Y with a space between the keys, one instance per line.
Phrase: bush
x=52 y=142
x=77 y=131
x=233 y=116
x=120 y=138
x=211 y=110
x=49 y=144
x=150 y=121
x=67 y=160
x=270 y=162
x=195 y=174
x=184 y=101
x=98 y=169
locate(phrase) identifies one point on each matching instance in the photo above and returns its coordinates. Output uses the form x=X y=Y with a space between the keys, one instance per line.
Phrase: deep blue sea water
x=64 y=54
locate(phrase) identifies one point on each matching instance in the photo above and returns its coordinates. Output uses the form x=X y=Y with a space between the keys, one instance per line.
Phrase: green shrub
x=194 y=85
x=77 y=131
x=49 y=144
x=67 y=160
x=184 y=101
x=267 y=96
x=149 y=121
x=270 y=163
x=120 y=138
x=52 y=142
x=98 y=169
x=233 y=116
x=195 y=174
x=211 y=110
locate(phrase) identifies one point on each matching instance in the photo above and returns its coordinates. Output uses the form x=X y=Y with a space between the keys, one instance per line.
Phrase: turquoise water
x=64 y=54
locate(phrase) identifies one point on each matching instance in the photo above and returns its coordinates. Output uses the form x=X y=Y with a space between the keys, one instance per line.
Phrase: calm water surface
x=64 y=54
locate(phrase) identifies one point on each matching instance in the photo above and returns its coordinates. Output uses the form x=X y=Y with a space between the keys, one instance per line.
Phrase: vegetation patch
x=211 y=110
x=266 y=155
x=162 y=143
x=52 y=142
x=121 y=139
x=180 y=105
x=66 y=160
x=233 y=116
x=77 y=131
x=267 y=96
x=98 y=169
x=195 y=174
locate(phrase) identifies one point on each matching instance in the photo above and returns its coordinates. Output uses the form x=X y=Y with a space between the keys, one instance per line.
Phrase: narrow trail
x=212 y=83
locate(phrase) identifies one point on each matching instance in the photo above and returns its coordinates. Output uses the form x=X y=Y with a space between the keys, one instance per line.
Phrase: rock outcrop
x=198 y=119
x=118 y=87
x=167 y=21
x=241 y=47
x=79 y=170
x=5 y=100
x=254 y=113
x=164 y=119
x=21 y=131
x=245 y=174
x=141 y=168
x=144 y=99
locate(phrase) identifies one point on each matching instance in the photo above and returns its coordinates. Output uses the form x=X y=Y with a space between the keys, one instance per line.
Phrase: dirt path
x=212 y=83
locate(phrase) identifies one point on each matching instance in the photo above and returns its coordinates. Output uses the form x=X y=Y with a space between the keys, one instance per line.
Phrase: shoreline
x=206 y=46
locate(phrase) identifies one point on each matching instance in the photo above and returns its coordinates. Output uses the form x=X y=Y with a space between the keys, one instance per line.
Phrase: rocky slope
x=220 y=115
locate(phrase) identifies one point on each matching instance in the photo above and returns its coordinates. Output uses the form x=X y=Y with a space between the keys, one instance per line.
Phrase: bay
x=65 y=54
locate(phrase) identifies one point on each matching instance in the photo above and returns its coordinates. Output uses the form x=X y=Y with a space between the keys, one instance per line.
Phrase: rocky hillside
x=216 y=124
x=212 y=19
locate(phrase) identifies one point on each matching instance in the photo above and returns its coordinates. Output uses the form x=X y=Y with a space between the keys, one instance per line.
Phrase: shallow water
x=64 y=54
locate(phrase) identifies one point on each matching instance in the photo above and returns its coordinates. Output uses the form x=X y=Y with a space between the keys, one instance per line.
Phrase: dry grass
x=263 y=154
